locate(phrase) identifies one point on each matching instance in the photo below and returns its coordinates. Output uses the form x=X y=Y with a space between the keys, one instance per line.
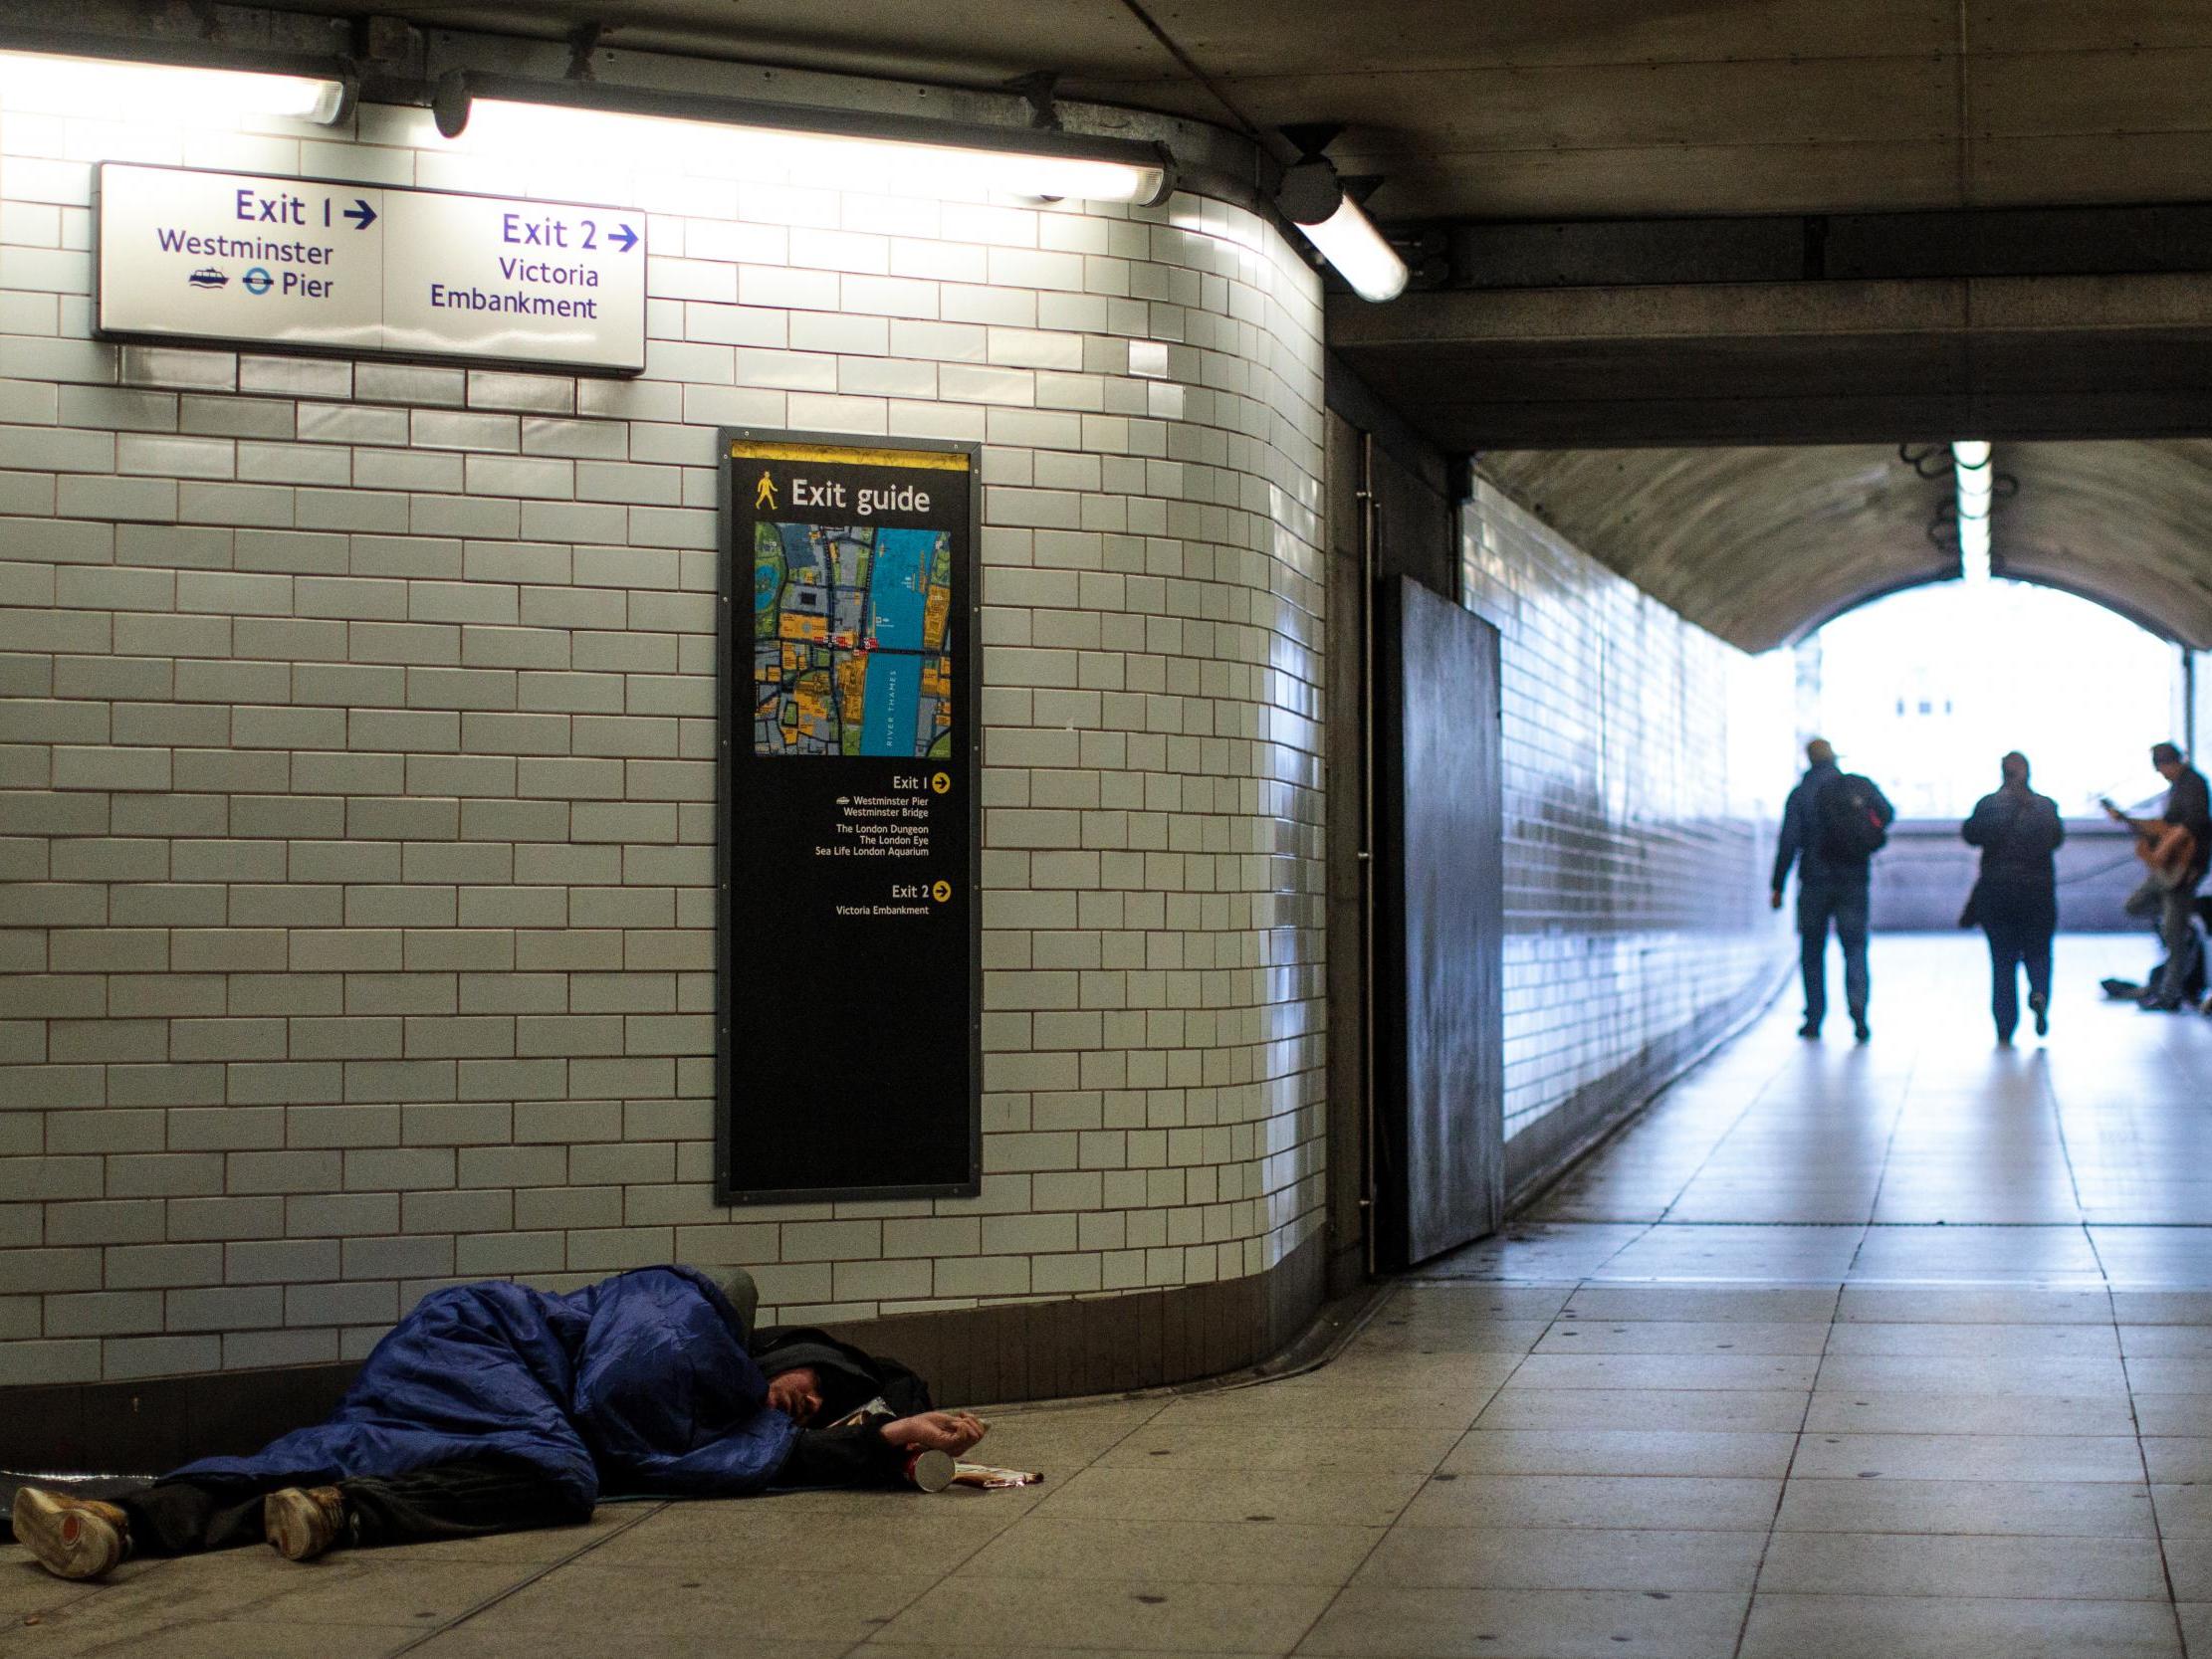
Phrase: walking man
x=2016 y=898
x=2176 y=861
x=1834 y=824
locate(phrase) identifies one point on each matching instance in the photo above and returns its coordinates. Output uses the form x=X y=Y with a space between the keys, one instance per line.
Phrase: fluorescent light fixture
x=901 y=154
x=1313 y=198
x=1975 y=479
x=128 y=89
x=1349 y=240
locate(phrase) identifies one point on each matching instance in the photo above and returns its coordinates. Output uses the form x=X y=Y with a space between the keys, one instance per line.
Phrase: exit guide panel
x=848 y=1007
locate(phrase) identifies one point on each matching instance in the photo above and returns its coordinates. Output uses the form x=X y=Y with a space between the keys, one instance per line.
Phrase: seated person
x=495 y=1407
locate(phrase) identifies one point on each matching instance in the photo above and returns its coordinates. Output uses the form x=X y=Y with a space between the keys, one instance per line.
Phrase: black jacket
x=2188 y=805
x=1801 y=836
x=2017 y=830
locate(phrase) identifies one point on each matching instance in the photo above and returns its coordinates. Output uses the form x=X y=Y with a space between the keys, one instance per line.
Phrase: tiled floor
x=1893 y=1352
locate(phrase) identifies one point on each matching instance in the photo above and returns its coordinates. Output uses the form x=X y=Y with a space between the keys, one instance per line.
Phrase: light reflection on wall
x=1924 y=690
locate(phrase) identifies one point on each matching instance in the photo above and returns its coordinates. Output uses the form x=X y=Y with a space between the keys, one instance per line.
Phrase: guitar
x=2166 y=849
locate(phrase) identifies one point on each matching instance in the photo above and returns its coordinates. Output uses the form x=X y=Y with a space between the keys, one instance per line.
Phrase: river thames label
x=307 y=265
x=848 y=1024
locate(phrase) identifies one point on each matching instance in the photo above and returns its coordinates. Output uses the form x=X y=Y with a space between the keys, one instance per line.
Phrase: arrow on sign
x=623 y=237
x=361 y=214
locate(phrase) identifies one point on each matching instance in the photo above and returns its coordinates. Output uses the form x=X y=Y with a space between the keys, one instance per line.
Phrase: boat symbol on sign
x=208 y=277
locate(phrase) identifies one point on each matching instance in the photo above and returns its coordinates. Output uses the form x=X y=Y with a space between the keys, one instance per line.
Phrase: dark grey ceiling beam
x=1840 y=247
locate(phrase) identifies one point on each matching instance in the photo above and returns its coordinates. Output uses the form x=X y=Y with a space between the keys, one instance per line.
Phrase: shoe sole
x=68 y=1543
x=295 y=1524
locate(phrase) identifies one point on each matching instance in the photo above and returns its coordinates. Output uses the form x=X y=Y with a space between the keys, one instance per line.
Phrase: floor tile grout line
x=1889 y=1155
x=860 y=1648
x=2066 y=1148
x=2150 y=1486
x=1712 y=1152
x=1383 y=1533
x=1782 y=1491
x=646 y=1513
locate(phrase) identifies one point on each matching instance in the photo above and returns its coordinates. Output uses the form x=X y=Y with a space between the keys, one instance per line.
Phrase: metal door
x=1440 y=903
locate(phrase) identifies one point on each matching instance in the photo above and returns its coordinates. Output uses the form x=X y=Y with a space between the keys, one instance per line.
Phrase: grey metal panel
x=1441 y=898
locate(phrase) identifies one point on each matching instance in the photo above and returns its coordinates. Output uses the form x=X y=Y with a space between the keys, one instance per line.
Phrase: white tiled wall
x=355 y=783
x=1646 y=763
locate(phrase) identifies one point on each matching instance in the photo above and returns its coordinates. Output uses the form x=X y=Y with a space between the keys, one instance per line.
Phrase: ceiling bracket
x=1039 y=88
x=583 y=42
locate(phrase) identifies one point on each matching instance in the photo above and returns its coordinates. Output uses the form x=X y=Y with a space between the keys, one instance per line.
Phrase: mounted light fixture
x=85 y=77
x=835 y=148
x=1327 y=212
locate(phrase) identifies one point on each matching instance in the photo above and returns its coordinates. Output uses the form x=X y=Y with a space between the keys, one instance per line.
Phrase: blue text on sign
x=255 y=208
x=520 y=230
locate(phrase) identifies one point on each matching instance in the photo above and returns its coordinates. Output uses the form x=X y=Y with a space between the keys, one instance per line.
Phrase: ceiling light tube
x=94 y=83
x=835 y=149
x=1975 y=481
x=1349 y=240
x=1314 y=199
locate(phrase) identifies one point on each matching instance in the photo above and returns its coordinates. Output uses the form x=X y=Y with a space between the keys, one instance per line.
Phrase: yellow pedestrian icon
x=941 y=891
x=940 y=782
x=764 y=493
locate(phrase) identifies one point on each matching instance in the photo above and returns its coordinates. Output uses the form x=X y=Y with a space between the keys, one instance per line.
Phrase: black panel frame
x=967 y=562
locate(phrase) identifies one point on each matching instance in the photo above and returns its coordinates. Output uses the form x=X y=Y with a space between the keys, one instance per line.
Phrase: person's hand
x=1774 y=900
x=797 y=1394
x=937 y=1431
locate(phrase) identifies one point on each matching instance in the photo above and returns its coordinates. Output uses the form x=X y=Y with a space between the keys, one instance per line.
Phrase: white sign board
x=294 y=263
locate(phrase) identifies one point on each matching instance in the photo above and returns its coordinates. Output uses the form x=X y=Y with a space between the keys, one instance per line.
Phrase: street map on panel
x=849 y=640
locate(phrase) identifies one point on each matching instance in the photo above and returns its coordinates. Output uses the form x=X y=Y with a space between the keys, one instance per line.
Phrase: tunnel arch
x=1761 y=545
x=2149 y=625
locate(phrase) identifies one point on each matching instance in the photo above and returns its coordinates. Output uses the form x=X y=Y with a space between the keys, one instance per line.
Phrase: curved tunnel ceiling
x=1761 y=545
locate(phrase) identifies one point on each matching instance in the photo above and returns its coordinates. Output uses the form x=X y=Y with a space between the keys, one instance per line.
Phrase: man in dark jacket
x=2170 y=903
x=2016 y=898
x=1827 y=825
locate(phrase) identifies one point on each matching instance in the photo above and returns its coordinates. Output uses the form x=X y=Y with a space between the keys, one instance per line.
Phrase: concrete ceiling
x=1551 y=109
x=1581 y=110
x=1763 y=544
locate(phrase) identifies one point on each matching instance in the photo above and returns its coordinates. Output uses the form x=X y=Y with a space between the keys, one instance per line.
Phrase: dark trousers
x=452 y=1500
x=1821 y=903
x=2172 y=912
x=2016 y=942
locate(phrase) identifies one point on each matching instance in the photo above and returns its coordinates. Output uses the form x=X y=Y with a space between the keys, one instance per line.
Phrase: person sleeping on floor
x=494 y=1408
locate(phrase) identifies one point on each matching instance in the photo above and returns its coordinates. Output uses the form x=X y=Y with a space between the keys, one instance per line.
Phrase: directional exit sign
x=309 y=265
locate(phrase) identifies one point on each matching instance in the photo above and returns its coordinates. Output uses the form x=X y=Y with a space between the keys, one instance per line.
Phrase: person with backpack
x=2015 y=898
x=1832 y=825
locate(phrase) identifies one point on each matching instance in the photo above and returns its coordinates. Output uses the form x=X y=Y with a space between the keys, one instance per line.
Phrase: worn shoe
x=71 y=1538
x=1811 y=1028
x=2152 y=1003
x=1860 y=1031
x=302 y=1523
x=2042 y=1010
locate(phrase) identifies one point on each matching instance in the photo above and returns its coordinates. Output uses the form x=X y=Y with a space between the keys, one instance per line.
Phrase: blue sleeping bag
x=638 y=1383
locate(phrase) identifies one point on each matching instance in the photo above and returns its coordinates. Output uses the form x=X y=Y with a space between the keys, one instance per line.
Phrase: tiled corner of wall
x=356 y=790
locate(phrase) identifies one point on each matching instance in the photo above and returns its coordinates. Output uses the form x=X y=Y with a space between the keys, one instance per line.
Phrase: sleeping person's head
x=797 y=1393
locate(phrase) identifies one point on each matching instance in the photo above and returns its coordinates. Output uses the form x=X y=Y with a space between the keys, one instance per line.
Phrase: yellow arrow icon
x=940 y=782
x=941 y=891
